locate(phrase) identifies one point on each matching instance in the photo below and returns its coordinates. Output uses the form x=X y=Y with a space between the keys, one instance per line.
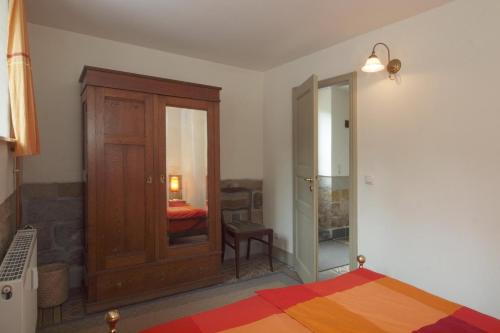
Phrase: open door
x=305 y=192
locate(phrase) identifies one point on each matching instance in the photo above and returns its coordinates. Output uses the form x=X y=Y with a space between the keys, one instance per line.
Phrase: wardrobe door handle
x=149 y=180
x=162 y=179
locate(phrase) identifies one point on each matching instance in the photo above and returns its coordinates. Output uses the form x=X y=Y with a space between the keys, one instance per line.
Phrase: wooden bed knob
x=361 y=260
x=112 y=318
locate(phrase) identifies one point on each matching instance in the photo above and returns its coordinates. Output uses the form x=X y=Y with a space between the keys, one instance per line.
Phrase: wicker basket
x=53 y=284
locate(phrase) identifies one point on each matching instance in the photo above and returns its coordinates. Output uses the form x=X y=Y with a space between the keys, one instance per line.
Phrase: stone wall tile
x=7 y=223
x=69 y=234
x=51 y=256
x=235 y=203
x=70 y=190
x=257 y=200
x=41 y=211
x=44 y=238
x=75 y=257
x=39 y=191
x=56 y=210
x=333 y=203
x=252 y=184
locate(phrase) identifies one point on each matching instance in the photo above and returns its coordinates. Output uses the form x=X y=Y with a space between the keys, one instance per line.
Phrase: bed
x=359 y=301
x=185 y=220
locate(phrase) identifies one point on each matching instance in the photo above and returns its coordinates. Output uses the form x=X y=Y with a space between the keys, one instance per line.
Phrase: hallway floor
x=332 y=254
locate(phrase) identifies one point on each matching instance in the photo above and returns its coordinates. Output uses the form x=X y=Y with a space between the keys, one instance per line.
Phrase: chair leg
x=248 y=248
x=270 y=248
x=237 y=255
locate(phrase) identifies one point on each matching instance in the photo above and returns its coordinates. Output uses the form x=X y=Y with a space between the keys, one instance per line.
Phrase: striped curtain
x=22 y=100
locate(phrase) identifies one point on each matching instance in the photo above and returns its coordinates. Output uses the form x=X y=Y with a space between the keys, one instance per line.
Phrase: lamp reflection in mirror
x=174 y=184
x=373 y=63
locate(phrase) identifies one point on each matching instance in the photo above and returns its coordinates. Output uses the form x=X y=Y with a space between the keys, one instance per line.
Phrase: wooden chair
x=244 y=230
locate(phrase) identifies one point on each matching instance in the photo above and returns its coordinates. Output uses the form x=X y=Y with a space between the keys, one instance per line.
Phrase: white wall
x=58 y=57
x=4 y=78
x=325 y=131
x=431 y=141
x=340 y=138
x=6 y=172
x=6 y=157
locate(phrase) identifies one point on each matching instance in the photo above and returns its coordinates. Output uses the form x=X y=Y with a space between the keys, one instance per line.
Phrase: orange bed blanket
x=186 y=219
x=358 y=302
x=185 y=212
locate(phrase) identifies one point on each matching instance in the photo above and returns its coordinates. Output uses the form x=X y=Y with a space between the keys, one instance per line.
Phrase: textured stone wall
x=241 y=200
x=7 y=223
x=333 y=207
x=56 y=210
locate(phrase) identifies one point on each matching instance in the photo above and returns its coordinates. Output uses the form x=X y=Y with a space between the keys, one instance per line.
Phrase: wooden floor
x=49 y=316
x=73 y=308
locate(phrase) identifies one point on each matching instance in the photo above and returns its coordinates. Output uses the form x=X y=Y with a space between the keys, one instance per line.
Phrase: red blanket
x=358 y=302
x=185 y=212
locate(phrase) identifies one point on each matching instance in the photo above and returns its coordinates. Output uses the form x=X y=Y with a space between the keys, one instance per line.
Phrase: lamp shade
x=372 y=65
x=174 y=184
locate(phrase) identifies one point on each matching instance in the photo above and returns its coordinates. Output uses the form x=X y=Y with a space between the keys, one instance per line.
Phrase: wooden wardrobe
x=145 y=236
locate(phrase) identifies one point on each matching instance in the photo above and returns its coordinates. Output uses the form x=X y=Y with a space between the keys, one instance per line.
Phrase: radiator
x=18 y=285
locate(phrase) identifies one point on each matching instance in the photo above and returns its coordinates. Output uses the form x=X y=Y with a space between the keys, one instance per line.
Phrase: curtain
x=194 y=157
x=22 y=101
x=187 y=152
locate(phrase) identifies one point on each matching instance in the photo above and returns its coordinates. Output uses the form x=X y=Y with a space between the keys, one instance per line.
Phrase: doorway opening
x=324 y=177
x=334 y=178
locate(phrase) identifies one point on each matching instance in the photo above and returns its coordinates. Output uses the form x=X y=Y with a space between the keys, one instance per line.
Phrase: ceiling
x=254 y=34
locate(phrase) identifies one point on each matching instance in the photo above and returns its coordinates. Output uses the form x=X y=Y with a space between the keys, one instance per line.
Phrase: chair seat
x=242 y=227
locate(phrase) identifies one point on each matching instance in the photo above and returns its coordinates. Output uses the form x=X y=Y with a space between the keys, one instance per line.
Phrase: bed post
x=112 y=318
x=361 y=260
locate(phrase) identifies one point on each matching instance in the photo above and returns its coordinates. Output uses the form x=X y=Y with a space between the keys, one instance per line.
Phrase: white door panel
x=305 y=112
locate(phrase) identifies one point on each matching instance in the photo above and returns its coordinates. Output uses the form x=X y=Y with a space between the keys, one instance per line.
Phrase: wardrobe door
x=188 y=167
x=125 y=196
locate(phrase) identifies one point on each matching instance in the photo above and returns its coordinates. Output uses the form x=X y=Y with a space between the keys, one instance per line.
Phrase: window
x=4 y=80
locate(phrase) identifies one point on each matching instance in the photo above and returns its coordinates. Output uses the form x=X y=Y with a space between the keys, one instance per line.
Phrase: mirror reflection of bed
x=186 y=187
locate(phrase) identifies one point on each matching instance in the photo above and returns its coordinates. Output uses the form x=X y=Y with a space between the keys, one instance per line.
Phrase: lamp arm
x=385 y=45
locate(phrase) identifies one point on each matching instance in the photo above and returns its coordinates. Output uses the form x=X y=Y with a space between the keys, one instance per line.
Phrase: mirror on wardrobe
x=186 y=183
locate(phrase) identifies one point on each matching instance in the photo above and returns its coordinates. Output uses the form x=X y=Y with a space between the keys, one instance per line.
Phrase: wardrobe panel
x=124 y=117
x=125 y=213
x=125 y=219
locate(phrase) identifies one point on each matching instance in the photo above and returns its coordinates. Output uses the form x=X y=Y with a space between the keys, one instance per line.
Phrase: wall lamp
x=373 y=63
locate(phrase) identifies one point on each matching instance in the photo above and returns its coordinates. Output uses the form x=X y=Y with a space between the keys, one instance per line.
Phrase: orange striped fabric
x=358 y=302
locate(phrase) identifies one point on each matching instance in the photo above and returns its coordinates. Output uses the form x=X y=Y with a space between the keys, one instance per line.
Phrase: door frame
x=351 y=79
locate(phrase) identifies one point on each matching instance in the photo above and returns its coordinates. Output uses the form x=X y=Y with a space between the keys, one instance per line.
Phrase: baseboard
x=283 y=256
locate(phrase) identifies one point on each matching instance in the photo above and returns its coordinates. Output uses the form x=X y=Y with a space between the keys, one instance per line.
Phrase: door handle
x=149 y=180
x=310 y=180
x=162 y=179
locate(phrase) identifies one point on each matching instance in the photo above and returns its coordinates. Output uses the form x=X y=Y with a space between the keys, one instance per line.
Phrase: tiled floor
x=73 y=308
x=332 y=254
x=334 y=272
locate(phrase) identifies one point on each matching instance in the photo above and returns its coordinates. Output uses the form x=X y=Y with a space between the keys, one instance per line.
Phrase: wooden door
x=305 y=203
x=125 y=195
